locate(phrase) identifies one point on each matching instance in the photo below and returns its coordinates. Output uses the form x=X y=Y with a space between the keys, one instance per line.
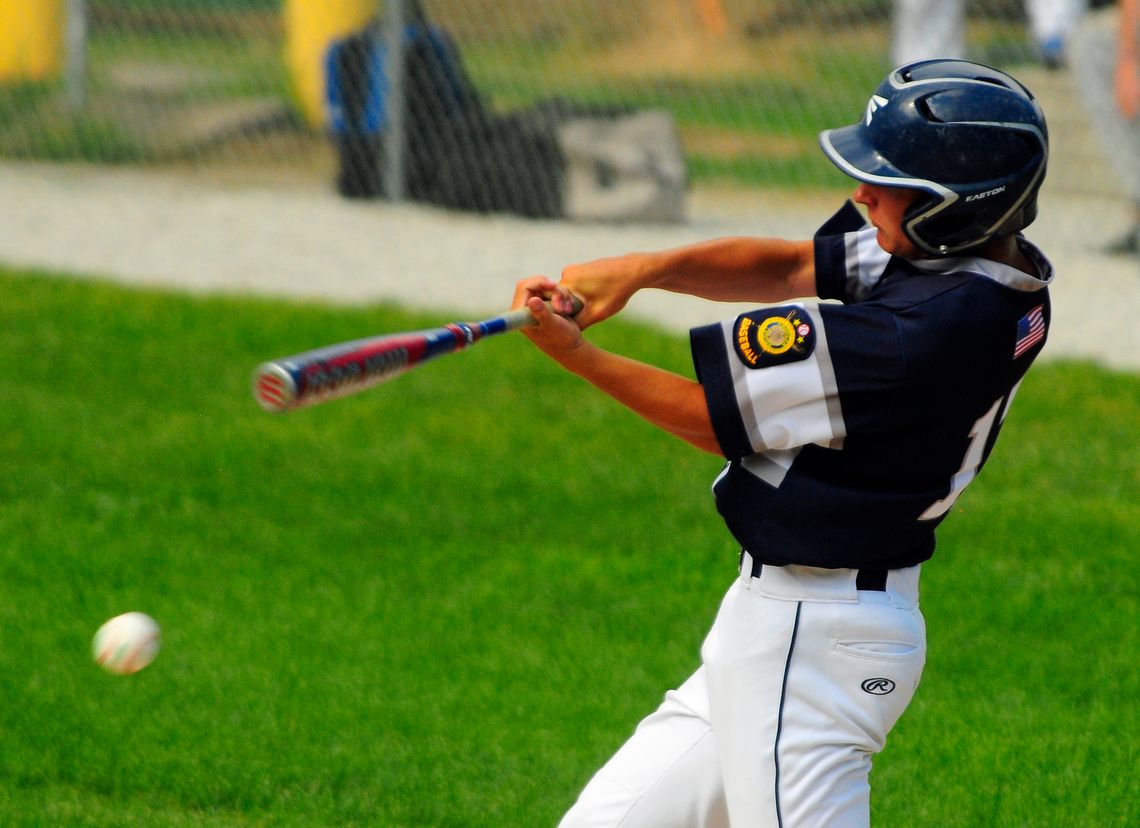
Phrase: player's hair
x=970 y=137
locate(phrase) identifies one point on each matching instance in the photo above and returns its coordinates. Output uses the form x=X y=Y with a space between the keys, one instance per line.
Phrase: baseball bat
x=345 y=368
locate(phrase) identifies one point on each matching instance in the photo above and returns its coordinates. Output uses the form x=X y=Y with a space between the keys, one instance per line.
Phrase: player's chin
x=898 y=246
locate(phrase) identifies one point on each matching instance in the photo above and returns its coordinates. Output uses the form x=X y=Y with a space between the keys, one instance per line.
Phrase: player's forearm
x=669 y=401
x=739 y=269
x=734 y=269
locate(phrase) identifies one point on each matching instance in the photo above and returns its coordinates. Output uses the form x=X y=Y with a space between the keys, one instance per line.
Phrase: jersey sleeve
x=771 y=381
x=767 y=380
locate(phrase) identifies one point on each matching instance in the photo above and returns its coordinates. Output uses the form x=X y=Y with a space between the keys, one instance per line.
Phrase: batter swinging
x=849 y=430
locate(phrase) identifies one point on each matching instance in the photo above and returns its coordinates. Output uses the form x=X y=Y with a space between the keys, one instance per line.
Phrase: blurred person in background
x=937 y=29
x=1105 y=60
x=1051 y=23
x=924 y=29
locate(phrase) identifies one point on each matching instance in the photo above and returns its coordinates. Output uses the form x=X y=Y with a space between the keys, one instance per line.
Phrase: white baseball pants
x=802 y=676
x=1053 y=19
x=924 y=29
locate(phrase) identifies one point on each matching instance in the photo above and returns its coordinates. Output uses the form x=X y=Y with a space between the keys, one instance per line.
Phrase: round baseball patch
x=774 y=336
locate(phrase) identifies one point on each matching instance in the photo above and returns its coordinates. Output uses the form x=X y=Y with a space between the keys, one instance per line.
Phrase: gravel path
x=166 y=229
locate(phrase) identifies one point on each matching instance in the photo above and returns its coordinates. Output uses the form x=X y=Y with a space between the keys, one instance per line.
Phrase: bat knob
x=273 y=387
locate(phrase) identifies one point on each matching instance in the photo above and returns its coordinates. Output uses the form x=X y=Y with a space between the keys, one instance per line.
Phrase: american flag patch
x=1030 y=330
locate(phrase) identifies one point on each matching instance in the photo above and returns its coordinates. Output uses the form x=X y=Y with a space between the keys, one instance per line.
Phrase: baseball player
x=849 y=429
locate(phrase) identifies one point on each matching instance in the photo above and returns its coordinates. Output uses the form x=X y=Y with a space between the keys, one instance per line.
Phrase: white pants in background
x=924 y=29
x=1053 y=20
x=802 y=677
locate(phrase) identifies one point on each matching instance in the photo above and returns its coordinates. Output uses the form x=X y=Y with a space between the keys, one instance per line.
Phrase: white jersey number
x=979 y=437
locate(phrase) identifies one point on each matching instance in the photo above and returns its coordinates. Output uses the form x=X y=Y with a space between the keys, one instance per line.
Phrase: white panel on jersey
x=865 y=262
x=788 y=405
x=770 y=466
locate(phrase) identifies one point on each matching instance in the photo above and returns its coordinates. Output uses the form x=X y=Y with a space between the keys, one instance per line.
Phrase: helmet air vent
x=923 y=107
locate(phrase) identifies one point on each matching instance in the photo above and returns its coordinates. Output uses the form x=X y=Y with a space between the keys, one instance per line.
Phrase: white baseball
x=126 y=643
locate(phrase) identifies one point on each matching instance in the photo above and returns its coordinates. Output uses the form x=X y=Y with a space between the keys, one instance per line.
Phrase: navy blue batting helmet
x=970 y=137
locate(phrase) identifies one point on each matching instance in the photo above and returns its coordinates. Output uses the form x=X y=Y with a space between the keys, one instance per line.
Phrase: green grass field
x=444 y=602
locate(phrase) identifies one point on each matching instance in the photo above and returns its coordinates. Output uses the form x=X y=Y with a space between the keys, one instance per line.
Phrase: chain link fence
x=225 y=84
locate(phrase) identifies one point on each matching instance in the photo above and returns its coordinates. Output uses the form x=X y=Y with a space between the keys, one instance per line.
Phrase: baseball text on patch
x=774 y=336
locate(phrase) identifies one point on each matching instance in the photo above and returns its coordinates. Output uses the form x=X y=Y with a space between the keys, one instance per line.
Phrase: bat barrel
x=345 y=368
x=274 y=387
x=339 y=370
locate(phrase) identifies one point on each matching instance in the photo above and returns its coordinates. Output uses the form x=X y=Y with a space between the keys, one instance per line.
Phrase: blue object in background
x=357 y=86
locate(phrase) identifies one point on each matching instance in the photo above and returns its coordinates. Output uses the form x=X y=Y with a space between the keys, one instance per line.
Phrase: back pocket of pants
x=879 y=650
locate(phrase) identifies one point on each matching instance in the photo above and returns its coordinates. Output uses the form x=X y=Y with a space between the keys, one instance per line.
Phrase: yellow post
x=31 y=39
x=310 y=28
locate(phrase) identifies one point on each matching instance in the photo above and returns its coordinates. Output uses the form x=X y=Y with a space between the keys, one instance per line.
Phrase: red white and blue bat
x=348 y=367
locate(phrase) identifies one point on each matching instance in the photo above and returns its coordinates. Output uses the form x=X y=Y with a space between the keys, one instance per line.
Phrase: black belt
x=872 y=580
x=869 y=580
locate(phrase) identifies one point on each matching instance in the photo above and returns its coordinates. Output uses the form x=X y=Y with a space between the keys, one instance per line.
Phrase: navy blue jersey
x=850 y=427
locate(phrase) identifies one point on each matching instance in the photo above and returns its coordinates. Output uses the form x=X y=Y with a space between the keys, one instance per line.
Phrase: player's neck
x=1006 y=250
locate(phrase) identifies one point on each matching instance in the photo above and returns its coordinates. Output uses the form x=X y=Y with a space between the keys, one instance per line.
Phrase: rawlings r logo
x=878 y=686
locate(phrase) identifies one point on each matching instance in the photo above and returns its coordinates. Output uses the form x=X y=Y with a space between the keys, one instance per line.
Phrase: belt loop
x=749 y=570
x=749 y=566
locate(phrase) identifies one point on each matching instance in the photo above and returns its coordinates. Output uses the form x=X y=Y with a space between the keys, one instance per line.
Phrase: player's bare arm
x=669 y=401
x=731 y=269
x=1127 y=78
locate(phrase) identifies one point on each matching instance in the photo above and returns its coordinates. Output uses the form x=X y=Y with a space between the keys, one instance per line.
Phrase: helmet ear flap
x=949 y=226
x=1023 y=217
x=1028 y=213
